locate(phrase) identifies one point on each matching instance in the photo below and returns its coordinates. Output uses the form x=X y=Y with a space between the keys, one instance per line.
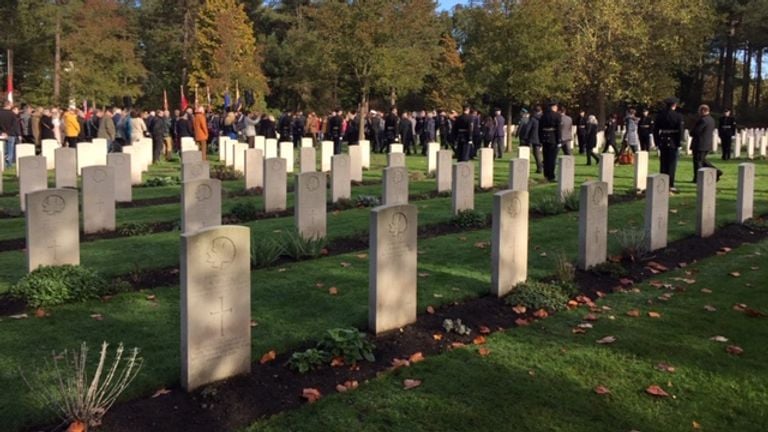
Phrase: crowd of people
x=547 y=130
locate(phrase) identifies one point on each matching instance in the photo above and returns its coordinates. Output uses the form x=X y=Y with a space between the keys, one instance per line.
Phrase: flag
x=184 y=103
x=208 y=95
x=10 y=88
x=238 y=102
x=10 y=76
x=227 y=100
x=165 y=100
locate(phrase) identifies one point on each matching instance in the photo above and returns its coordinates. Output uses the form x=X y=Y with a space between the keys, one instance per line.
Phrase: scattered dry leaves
x=482 y=244
x=591 y=317
x=606 y=340
x=521 y=322
x=333 y=291
x=416 y=357
x=398 y=363
x=484 y=330
x=152 y=297
x=665 y=367
x=479 y=340
x=541 y=313
x=455 y=345
x=40 y=313
x=337 y=362
x=411 y=383
x=430 y=310
x=625 y=282
x=362 y=256
x=437 y=336
x=572 y=304
x=602 y=390
x=312 y=395
x=519 y=309
x=657 y=391
x=346 y=386
x=268 y=357
x=654 y=314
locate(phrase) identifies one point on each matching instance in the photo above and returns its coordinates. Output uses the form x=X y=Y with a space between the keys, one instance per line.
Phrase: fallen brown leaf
x=606 y=340
x=483 y=330
x=254 y=323
x=160 y=392
x=337 y=361
x=519 y=309
x=484 y=352
x=541 y=313
x=416 y=357
x=710 y=308
x=362 y=256
x=602 y=390
x=734 y=349
x=719 y=339
x=430 y=310
x=411 y=383
x=657 y=391
x=482 y=244
x=333 y=291
x=591 y=317
x=398 y=363
x=664 y=367
x=696 y=425
x=423 y=274
x=40 y=313
x=734 y=274
x=437 y=336
x=268 y=357
x=706 y=291
x=97 y=316
x=458 y=344
x=479 y=340
x=346 y=264
x=654 y=314
x=578 y=330
x=152 y=297
x=521 y=322
x=347 y=385
x=626 y=282
x=572 y=304
x=633 y=313
x=312 y=395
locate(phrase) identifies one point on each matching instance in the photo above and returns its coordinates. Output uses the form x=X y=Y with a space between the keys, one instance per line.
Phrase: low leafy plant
x=264 y=251
x=245 y=210
x=54 y=285
x=456 y=326
x=223 y=172
x=609 y=268
x=162 y=181
x=632 y=242
x=548 y=205
x=757 y=224
x=298 y=247
x=348 y=343
x=565 y=271
x=308 y=360
x=343 y=204
x=367 y=201
x=469 y=219
x=415 y=176
x=63 y=385
x=132 y=229
x=571 y=201
x=536 y=295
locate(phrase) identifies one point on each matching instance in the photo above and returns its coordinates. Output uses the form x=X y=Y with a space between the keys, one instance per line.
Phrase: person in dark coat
x=157 y=131
x=267 y=127
x=46 y=126
x=427 y=132
x=701 y=141
x=532 y=137
x=590 y=139
x=498 y=134
x=443 y=126
x=477 y=132
x=644 y=130
x=668 y=133
x=284 y=126
x=406 y=134
x=377 y=132
x=463 y=135
x=611 y=126
x=298 y=126
x=184 y=126
x=334 y=130
x=726 y=131
x=581 y=131
x=566 y=131
x=549 y=136
x=391 y=127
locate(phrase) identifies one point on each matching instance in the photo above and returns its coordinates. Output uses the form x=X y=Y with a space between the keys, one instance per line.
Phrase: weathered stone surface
x=706 y=190
x=136 y=167
x=606 y=170
x=641 y=170
x=657 y=212
x=48 y=148
x=509 y=243
x=355 y=164
x=395 y=148
x=444 y=170
x=593 y=224
x=121 y=163
x=463 y=191
x=254 y=168
x=33 y=176
x=566 y=168
x=275 y=185
x=195 y=171
x=98 y=199
x=392 y=267
x=326 y=153
x=486 y=168
x=310 y=207
x=745 y=194
x=307 y=159
x=395 y=186
x=191 y=156
x=200 y=204
x=518 y=174
x=395 y=160
x=66 y=167
x=53 y=228
x=286 y=152
x=341 y=187
x=215 y=305
x=432 y=149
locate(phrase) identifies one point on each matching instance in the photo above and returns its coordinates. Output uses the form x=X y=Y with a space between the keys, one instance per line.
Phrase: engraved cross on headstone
x=100 y=205
x=55 y=246
x=221 y=315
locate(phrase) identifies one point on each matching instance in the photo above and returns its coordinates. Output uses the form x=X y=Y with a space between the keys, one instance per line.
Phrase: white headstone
x=53 y=228
x=392 y=267
x=260 y=143
x=486 y=168
x=121 y=163
x=745 y=194
x=271 y=148
x=307 y=142
x=223 y=147
x=275 y=185
x=48 y=147
x=395 y=160
x=66 y=167
x=509 y=243
x=188 y=144
x=23 y=150
x=238 y=156
x=195 y=171
x=606 y=170
x=657 y=212
x=524 y=152
x=341 y=188
x=706 y=190
x=254 y=169
x=286 y=152
x=190 y=156
x=365 y=152
x=98 y=199
x=309 y=211
x=444 y=174
x=355 y=164
x=395 y=148
x=593 y=224
x=307 y=159
x=326 y=153
x=215 y=305
x=518 y=174
x=641 y=170
x=463 y=191
x=34 y=176
x=395 y=186
x=136 y=164
x=566 y=170
x=200 y=204
x=432 y=149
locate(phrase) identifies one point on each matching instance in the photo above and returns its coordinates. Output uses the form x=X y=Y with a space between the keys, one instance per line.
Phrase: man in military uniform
x=727 y=130
x=443 y=126
x=334 y=130
x=463 y=135
x=581 y=131
x=549 y=136
x=391 y=127
x=284 y=126
x=298 y=126
x=498 y=134
x=668 y=132
x=427 y=132
x=644 y=130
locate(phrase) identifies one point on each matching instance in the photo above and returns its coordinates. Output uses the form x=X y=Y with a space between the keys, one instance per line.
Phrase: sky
x=449 y=4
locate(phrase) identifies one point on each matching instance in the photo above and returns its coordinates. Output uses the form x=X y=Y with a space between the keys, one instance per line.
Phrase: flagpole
x=10 y=76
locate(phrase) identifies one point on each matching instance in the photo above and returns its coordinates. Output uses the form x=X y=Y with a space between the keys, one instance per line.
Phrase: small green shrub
x=548 y=205
x=632 y=242
x=367 y=201
x=223 y=172
x=343 y=204
x=757 y=224
x=245 y=210
x=456 y=326
x=308 y=360
x=571 y=201
x=469 y=219
x=348 y=343
x=132 y=229
x=162 y=181
x=49 y=286
x=264 y=251
x=609 y=268
x=415 y=176
x=540 y=295
x=297 y=247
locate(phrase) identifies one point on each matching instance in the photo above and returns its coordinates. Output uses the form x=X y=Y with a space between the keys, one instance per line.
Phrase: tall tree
x=446 y=84
x=225 y=52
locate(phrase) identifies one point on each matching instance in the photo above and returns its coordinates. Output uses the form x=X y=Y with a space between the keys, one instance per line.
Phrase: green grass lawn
x=287 y=303
x=542 y=377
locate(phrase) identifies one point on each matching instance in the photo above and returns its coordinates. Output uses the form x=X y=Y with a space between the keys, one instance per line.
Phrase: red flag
x=165 y=100
x=184 y=103
x=10 y=76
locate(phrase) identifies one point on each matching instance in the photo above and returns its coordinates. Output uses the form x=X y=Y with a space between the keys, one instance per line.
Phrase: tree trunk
x=362 y=113
x=759 y=78
x=601 y=108
x=718 y=101
x=392 y=97
x=746 y=79
x=728 y=73
x=57 y=59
